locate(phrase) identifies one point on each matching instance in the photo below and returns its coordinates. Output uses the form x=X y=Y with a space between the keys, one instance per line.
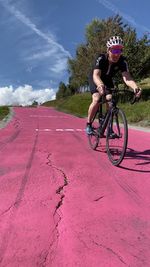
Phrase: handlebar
x=115 y=92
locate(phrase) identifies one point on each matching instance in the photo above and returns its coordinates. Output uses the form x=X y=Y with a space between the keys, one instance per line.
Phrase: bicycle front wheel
x=117 y=137
x=94 y=137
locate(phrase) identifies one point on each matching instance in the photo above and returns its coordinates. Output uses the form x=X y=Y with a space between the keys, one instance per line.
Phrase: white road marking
x=48 y=116
x=69 y=130
x=47 y=130
x=60 y=130
x=79 y=130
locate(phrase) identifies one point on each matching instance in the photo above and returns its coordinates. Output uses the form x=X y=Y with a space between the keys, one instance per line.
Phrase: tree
x=96 y=35
x=138 y=54
x=35 y=103
x=61 y=91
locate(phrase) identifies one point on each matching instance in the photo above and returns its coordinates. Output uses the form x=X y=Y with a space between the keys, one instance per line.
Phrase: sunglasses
x=116 y=51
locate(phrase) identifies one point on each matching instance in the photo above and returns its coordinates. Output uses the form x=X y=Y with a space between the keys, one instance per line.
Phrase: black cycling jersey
x=108 y=70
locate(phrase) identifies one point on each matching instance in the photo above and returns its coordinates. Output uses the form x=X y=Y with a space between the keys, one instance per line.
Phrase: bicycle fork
x=114 y=120
x=105 y=122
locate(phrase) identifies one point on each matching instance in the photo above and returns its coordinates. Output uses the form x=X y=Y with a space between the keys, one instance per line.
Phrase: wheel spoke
x=117 y=143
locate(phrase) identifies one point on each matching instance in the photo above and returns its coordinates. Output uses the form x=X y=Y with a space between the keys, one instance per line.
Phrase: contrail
x=128 y=18
x=26 y=21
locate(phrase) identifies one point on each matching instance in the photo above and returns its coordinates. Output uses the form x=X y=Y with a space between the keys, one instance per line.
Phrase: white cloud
x=58 y=67
x=42 y=54
x=24 y=95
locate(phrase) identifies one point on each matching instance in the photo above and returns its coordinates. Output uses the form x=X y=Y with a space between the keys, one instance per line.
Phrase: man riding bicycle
x=100 y=79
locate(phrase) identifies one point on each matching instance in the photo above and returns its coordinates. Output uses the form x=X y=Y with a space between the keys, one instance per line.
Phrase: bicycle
x=113 y=121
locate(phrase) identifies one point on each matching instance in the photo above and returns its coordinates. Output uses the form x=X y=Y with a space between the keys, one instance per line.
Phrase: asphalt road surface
x=64 y=205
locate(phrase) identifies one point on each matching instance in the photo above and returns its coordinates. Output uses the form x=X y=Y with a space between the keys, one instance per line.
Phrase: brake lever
x=135 y=98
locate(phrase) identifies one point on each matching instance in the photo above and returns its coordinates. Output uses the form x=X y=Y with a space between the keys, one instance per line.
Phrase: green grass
x=145 y=83
x=78 y=104
x=138 y=114
x=4 y=111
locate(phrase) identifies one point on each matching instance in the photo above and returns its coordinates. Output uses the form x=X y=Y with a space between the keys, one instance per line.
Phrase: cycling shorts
x=93 y=90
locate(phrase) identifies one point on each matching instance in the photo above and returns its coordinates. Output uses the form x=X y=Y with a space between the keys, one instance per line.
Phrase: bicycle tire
x=94 y=137
x=116 y=147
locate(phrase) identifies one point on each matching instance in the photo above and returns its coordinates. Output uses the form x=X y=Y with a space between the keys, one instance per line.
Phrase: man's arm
x=96 y=77
x=127 y=78
x=97 y=80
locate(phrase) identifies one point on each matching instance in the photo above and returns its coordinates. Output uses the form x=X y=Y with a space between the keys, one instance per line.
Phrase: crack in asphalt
x=15 y=204
x=60 y=188
x=59 y=191
x=7 y=210
x=55 y=233
x=43 y=258
x=112 y=251
x=97 y=199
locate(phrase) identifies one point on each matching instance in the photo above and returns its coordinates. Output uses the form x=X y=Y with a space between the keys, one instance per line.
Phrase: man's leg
x=108 y=98
x=92 y=111
x=93 y=106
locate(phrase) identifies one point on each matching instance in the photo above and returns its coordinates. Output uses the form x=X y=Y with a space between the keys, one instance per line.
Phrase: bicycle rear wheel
x=117 y=143
x=94 y=137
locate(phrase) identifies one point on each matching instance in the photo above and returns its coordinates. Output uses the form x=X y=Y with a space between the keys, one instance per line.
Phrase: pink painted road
x=64 y=205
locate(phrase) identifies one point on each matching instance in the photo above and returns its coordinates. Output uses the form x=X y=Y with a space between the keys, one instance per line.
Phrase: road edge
x=139 y=128
x=8 y=118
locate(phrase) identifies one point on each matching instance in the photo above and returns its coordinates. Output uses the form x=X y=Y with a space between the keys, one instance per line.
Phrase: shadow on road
x=142 y=159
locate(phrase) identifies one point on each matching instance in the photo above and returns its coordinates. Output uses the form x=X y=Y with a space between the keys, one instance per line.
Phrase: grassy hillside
x=76 y=104
x=3 y=112
x=139 y=113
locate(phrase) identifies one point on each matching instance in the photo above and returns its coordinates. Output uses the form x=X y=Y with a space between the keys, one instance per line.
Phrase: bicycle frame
x=108 y=113
x=102 y=127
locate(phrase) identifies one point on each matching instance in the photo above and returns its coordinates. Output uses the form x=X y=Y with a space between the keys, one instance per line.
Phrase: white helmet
x=113 y=41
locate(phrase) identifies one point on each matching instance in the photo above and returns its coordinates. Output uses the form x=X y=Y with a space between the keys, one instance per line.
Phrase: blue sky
x=37 y=37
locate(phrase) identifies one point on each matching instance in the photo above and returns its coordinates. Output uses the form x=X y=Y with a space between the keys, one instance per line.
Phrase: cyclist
x=105 y=68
